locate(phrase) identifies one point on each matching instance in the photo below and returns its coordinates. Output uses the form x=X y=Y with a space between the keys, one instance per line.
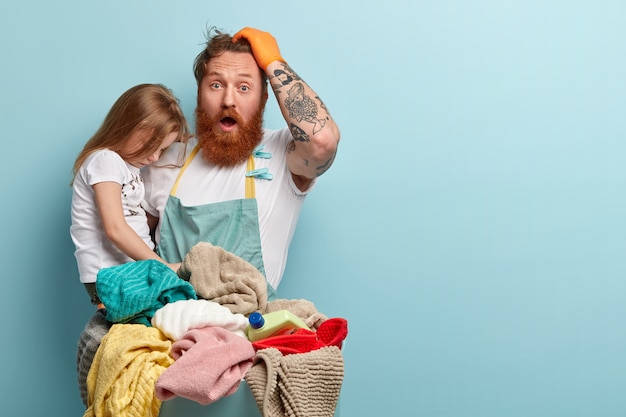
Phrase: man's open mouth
x=228 y=121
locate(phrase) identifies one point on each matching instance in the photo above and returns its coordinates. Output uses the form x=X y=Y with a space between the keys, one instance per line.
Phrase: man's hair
x=217 y=43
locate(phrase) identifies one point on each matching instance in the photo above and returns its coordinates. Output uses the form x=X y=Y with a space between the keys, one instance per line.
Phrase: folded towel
x=176 y=319
x=221 y=276
x=303 y=384
x=210 y=363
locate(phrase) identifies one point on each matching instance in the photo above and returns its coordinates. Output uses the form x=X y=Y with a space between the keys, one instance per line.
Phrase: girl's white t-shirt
x=94 y=250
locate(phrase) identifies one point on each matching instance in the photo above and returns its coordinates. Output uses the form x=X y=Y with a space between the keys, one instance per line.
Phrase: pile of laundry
x=164 y=334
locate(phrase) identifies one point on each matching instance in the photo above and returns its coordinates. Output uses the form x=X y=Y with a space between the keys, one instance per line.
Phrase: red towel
x=331 y=332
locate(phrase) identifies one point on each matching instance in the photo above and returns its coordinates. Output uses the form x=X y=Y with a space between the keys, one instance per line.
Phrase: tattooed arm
x=315 y=133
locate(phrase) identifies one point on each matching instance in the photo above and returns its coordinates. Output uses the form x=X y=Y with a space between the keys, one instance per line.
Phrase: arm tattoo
x=324 y=167
x=302 y=107
x=299 y=105
x=318 y=170
x=322 y=105
x=283 y=77
x=298 y=134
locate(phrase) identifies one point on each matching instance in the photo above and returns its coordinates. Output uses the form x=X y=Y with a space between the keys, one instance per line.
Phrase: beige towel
x=129 y=361
x=220 y=276
x=302 y=308
x=297 y=385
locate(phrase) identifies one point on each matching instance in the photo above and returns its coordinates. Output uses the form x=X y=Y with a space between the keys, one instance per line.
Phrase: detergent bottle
x=276 y=323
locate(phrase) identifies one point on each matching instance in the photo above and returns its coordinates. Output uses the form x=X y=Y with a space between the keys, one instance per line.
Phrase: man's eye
x=215 y=86
x=244 y=88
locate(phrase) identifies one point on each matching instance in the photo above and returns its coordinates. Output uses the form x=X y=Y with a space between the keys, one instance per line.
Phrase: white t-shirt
x=93 y=249
x=279 y=200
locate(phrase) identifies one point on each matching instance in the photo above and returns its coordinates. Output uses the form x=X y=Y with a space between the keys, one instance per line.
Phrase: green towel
x=132 y=292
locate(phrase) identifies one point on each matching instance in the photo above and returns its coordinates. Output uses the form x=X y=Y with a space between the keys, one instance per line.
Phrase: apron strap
x=250 y=189
x=183 y=168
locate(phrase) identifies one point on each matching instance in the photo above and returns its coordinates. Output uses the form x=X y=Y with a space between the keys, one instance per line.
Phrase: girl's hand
x=174 y=267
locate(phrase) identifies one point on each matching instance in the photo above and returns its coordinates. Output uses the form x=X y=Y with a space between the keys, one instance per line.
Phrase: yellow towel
x=121 y=380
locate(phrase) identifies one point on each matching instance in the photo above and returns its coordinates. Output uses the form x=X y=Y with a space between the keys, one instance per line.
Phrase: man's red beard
x=228 y=148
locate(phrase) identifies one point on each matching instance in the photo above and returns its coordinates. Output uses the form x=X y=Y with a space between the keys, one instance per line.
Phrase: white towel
x=177 y=318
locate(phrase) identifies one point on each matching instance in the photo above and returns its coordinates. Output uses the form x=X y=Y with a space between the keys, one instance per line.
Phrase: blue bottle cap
x=256 y=320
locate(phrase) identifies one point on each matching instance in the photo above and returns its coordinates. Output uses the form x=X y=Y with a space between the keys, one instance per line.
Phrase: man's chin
x=226 y=153
x=223 y=161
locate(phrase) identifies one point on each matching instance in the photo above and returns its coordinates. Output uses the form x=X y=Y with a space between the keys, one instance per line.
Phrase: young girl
x=109 y=226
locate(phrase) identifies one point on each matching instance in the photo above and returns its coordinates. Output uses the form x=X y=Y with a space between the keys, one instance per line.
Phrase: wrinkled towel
x=221 y=276
x=176 y=319
x=302 y=308
x=88 y=344
x=132 y=292
x=124 y=371
x=330 y=333
x=210 y=363
x=303 y=384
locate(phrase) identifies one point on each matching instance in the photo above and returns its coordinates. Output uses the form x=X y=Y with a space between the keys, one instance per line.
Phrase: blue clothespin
x=261 y=173
x=258 y=152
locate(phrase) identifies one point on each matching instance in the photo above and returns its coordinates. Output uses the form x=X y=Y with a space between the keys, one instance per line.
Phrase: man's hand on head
x=264 y=46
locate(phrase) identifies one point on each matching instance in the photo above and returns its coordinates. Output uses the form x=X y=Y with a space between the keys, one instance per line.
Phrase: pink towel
x=209 y=363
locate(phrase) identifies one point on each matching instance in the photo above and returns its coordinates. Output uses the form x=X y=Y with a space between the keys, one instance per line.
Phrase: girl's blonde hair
x=145 y=107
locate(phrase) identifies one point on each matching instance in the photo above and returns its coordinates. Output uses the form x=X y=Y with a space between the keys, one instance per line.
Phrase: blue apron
x=232 y=225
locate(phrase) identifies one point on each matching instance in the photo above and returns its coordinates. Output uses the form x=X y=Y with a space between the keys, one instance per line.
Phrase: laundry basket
x=240 y=404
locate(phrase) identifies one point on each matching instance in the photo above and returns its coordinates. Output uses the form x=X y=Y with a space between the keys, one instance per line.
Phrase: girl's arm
x=109 y=204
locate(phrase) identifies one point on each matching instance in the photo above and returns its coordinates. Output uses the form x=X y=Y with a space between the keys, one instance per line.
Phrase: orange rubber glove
x=264 y=46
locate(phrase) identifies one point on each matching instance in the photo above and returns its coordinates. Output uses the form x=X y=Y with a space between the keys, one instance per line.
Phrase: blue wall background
x=471 y=230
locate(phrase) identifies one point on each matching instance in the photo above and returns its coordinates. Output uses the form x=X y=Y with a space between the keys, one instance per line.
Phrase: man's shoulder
x=276 y=138
x=276 y=134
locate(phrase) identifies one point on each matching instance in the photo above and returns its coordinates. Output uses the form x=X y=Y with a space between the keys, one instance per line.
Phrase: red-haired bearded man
x=241 y=186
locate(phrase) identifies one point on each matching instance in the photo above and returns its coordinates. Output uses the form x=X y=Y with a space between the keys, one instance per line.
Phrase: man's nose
x=228 y=100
